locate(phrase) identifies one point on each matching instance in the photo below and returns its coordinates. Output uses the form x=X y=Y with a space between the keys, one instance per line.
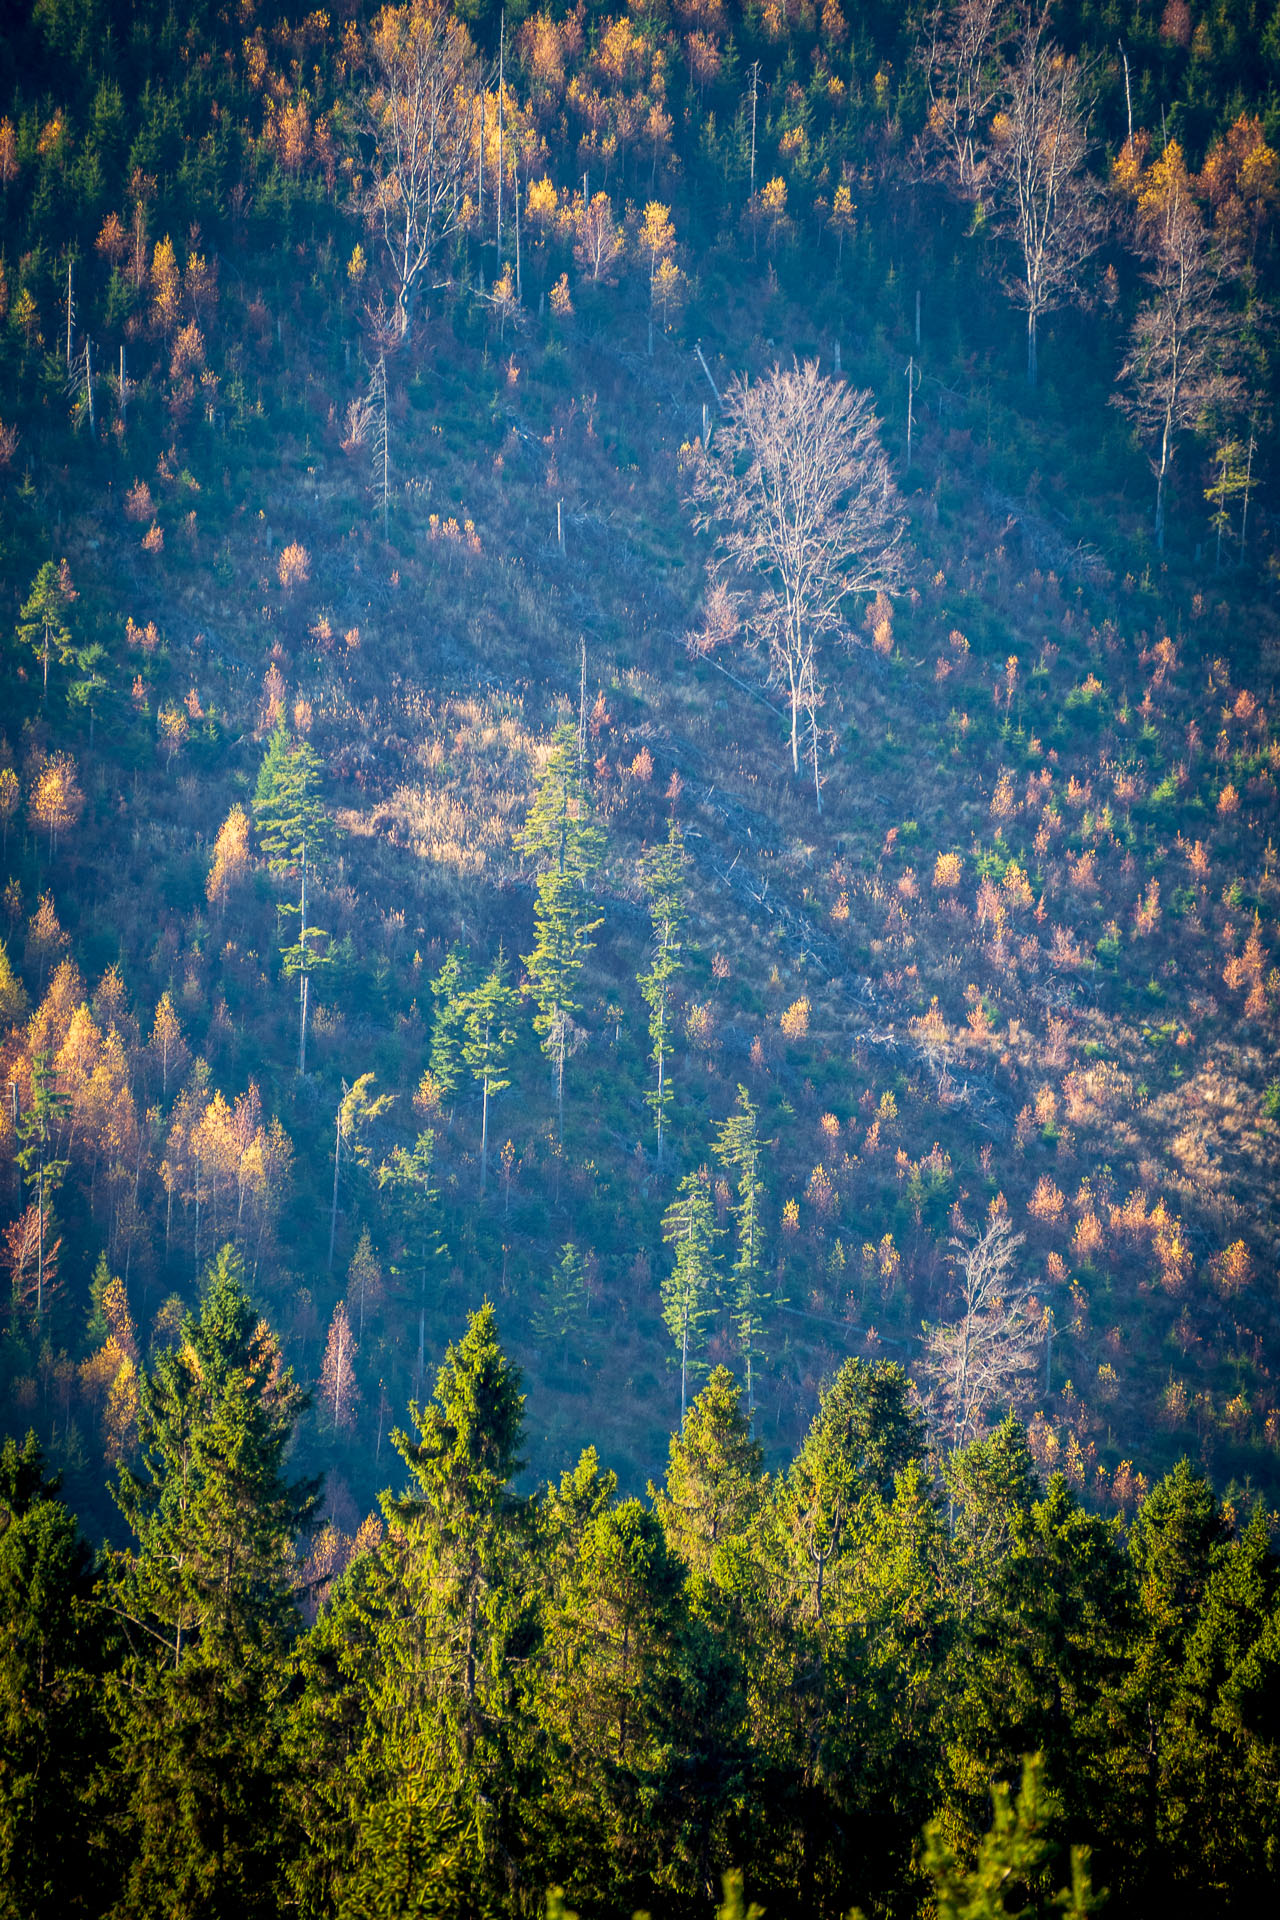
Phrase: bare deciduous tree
x=959 y=55
x=1178 y=365
x=417 y=117
x=986 y=1357
x=1046 y=201
x=798 y=494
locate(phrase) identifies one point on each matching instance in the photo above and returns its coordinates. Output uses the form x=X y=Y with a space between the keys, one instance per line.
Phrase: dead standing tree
x=1046 y=202
x=797 y=492
x=416 y=116
x=960 y=58
x=986 y=1357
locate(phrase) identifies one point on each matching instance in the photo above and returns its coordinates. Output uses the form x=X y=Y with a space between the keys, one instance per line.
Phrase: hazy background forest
x=437 y=868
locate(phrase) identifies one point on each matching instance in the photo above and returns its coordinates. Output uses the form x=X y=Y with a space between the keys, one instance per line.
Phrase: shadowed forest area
x=638 y=810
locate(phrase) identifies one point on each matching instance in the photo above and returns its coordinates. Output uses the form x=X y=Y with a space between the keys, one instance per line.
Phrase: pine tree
x=689 y=1225
x=489 y=1034
x=205 y=1601
x=663 y=883
x=738 y=1148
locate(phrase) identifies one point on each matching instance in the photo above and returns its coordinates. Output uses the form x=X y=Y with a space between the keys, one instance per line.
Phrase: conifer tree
x=406 y=1181
x=564 y=1299
x=204 y=1599
x=489 y=1034
x=52 y=1736
x=449 y=991
x=43 y=624
x=339 y=1394
x=739 y=1148
x=288 y=810
x=689 y=1225
x=663 y=882
x=714 y=1487
x=561 y=835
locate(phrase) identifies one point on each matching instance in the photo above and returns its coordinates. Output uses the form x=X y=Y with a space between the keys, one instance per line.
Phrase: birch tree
x=416 y=116
x=984 y=1358
x=1046 y=202
x=797 y=493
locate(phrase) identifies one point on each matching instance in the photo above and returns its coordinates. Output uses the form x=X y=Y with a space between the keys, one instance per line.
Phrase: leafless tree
x=798 y=495
x=986 y=1357
x=1046 y=201
x=1178 y=367
x=960 y=57
x=416 y=117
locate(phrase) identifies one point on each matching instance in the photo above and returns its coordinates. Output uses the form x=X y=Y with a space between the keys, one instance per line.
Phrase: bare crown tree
x=416 y=117
x=1047 y=203
x=959 y=54
x=798 y=495
x=986 y=1357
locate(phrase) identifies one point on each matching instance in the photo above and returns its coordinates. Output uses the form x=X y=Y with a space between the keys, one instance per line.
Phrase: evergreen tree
x=43 y=624
x=689 y=1225
x=662 y=879
x=406 y=1181
x=739 y=1148
x=561 y=835
x=288 y=811
x=564 y=1299
x=449 y=991
x=489 y=1035
x=207 y=1608
x=52 y=1744
x=715 y=1487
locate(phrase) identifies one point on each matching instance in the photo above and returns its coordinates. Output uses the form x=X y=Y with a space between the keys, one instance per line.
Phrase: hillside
x=1024 y=956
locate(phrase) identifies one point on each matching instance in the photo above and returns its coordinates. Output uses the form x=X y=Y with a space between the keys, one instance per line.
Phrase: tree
x=288 y=811
x=1046 y=201
x=449 y=991
x=43 y=620
x=417 y=117
x=168 y=1042
x=303 y=956
x=561 y=834
x=52 y=1736
x=359 y=1108
x=489 y=1036
x=959 y=54
x=41 y=1161
x=405 y=1179
x=564 y=1299
x=738 y=1148
x=1180 y=346
x=662 y=880
x=689 y=1224
x=230 y=862
x=1013 y=1858
x=339 y=1394
x=714 y=1487
x=205 y=1601
x=983 y=1360
x=13 y=995
x=798 y=491
x=56 y=800
x=364 y=1278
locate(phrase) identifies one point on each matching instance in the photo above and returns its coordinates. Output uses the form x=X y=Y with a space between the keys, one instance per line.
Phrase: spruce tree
x=288 y=810
x=205 y=1600
x=739 y=1149
x=662 y=879
x=560 y=834
x=689 y=1225
x=489 y=1034
x=449 y=991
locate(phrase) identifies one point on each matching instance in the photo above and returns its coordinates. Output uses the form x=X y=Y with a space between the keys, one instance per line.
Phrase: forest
x=639 y=958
